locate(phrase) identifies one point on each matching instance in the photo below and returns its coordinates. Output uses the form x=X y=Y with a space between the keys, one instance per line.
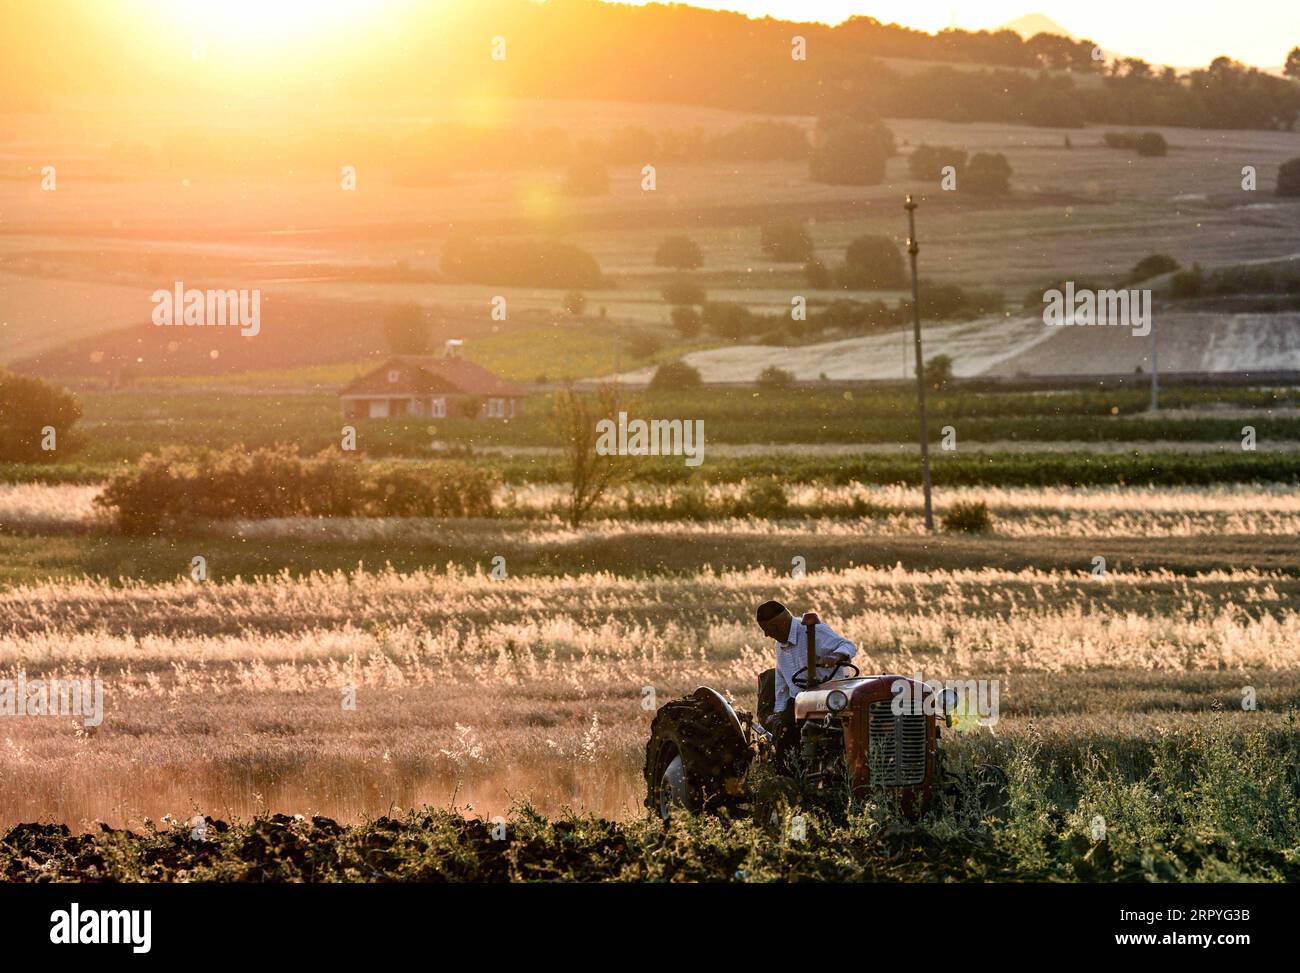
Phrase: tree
x=30 y=407
x=1151 y=144
x=680 y=253
x=1292 y=68
x=1152 y=265
x=928 y=161
x=786 y=242
x=407 y=331
x=589 y=473
x=873 y=263
x=775 y=379
x=675 y=376
x=937 y=373
x=1288 y=178
x=988 y=174
x=850 y=153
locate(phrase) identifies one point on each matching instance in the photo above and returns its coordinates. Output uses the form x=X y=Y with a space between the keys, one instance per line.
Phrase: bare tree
x=590 y=475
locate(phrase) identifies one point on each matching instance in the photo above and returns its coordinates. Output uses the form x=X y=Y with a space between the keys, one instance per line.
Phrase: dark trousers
x=786 y=732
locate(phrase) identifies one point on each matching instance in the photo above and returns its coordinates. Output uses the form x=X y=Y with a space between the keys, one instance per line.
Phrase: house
x=436 y=387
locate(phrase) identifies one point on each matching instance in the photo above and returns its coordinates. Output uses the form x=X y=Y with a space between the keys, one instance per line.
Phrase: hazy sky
x=1190 y=33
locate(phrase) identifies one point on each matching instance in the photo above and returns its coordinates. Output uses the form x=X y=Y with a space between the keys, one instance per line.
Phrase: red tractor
x=866 y=733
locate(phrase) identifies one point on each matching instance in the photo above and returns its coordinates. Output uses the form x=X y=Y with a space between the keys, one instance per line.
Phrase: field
x=348 y=697
x=487 y=695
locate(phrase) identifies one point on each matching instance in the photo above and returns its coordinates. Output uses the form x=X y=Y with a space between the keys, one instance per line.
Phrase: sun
x=259 y=21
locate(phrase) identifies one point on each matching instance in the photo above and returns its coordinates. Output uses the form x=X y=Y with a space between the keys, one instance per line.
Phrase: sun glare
x=270 y=20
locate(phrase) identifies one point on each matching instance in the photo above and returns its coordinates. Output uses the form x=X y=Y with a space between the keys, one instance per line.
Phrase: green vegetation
x=36 y=421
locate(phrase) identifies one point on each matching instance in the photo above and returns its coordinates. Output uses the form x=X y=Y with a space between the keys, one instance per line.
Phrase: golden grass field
x=227 y=698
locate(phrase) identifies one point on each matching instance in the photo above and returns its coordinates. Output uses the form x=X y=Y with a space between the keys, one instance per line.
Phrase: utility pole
x=913 y=250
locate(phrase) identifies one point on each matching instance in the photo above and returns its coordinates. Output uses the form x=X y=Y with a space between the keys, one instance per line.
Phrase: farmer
x=791 y=641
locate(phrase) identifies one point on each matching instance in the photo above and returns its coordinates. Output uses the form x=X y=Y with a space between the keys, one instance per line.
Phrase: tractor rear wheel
x=695 y=758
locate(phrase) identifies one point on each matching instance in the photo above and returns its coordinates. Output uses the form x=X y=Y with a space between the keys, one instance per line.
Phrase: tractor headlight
x=837 y=700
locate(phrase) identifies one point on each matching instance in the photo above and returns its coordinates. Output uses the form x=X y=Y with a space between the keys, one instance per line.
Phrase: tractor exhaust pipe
x=810 y=622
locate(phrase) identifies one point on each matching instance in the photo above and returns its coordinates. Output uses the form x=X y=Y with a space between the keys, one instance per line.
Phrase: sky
x=1182 y=33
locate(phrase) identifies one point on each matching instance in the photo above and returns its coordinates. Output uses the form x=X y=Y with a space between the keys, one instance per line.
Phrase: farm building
x=437 y=387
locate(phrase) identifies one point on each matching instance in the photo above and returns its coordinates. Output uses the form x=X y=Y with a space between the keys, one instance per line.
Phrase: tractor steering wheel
x=800 y=678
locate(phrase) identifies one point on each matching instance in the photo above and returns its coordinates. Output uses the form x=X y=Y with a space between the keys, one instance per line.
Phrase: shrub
x=873 y=263
x=683 y=291
x=675 y=375
x=1288 y=178
x=927 y=161
x=1150 y=266
x=775 y=379
x=728 y=319
x=764 y=497
x=937 y=373
x=180 y=489
x=1151 y=144
x=786 y=242
x=27 y=406
x=679 y=252
x=968 y=517
x=988 y=174
x=467 y=406
x=686 y=321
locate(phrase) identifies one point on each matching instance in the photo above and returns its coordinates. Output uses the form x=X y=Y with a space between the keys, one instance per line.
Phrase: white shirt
x=792 y=656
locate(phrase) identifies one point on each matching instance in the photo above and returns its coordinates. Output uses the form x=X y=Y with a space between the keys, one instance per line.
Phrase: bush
x=682 y=291
x=525 y=263
x=675 y=375
x=1055 y=108
x=988 y=174
x=850 y=153
x=775 y=379
x=927 y=161
x=873 y=263
x=686 y=321
x=27 y=406
x=968 y=517
x=1151 y=144
x=181 y=489
x=728 y=319
x=1288 y=178
x=786 y=242
x=679 y=252
x=765 y=497
x=1150 y=266
x=937 y=373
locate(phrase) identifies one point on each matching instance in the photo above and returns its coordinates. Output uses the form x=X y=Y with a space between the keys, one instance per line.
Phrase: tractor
x=860 y=733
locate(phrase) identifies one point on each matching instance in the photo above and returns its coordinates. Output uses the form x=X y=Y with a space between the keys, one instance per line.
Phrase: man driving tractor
x=791 y=643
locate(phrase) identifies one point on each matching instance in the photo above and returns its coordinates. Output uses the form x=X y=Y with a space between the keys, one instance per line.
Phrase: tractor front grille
x=895 y=746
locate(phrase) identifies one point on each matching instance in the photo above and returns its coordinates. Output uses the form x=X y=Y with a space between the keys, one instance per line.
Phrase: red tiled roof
x=425 y=376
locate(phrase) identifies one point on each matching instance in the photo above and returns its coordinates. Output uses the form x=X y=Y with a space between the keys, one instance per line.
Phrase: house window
x=394 y=375
x=496 y=408
x=438 y=408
